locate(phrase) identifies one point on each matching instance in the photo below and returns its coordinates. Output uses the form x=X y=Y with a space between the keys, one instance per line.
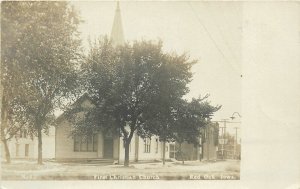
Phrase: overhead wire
x=221 y=31
x=211 y=37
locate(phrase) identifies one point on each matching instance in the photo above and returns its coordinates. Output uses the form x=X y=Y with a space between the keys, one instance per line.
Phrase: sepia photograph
x=133 y=90
x=114 y=91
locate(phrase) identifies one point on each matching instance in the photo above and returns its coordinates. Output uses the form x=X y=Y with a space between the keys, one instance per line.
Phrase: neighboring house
x=210 y=142
x=24 y=147
x=102 y=145
x=206 y=150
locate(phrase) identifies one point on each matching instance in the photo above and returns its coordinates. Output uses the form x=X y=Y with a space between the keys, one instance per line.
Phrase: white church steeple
x=117 y=35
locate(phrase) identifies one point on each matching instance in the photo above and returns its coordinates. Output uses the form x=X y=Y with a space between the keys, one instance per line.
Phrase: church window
x=85 y=144
x=156 y=147
x=147 y=145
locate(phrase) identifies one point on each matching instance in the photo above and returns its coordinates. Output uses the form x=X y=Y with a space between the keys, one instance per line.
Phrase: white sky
x=209 y=31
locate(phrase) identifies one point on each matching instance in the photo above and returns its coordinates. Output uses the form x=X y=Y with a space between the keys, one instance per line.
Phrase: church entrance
x=108 y=148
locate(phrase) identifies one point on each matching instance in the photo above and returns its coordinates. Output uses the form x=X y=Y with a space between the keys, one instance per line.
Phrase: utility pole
x=224 y=121
x=208 y=141
x=222 y=134
x=224 y=137
x=235 y=146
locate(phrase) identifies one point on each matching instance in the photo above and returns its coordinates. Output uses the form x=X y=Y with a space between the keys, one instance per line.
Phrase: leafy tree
x=11 y=74
x=171 y=81
x=123 y=83
x=47 y=51
x=191 y=117
x=175 y=119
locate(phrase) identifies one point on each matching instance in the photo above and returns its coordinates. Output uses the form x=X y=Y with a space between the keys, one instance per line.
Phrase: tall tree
x=171 y=81
x=47 y=52
x=11 y=73
x=123 y=82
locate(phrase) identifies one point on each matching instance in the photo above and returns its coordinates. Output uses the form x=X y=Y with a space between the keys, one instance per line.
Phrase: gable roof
x=78 y=102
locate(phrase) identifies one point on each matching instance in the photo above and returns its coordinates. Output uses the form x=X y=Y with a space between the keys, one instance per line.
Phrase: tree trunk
x=202 y=152
x=7 y=154
x=193 y=151
x=40 y=148
x=126 y=161
x=164 y=152
x=181 y=154
x=198 y=152
x=3 y=126
x=136 y=148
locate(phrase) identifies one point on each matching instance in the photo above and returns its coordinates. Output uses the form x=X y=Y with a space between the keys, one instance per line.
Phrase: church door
x=108 y=148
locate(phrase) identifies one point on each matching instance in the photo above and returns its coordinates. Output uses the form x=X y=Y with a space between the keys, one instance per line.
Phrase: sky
x=210 y=32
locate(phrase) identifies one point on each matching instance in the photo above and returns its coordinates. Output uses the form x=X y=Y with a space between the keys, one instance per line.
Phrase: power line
x=227 y=121
x=225 y=41
x=210 y=36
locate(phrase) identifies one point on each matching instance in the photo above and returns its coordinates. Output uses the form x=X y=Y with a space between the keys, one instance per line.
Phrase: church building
x=101 y=145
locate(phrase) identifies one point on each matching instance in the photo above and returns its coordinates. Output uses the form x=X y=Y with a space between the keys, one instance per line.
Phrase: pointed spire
x=118 y=6
x=117 y=35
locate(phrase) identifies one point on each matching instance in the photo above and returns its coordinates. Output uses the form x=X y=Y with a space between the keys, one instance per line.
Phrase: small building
x=22 y=146
x=210 y=139
x=205 y=150
x=103 y=145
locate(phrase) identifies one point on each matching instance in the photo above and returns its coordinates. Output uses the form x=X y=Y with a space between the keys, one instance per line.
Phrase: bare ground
x=191 y=170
